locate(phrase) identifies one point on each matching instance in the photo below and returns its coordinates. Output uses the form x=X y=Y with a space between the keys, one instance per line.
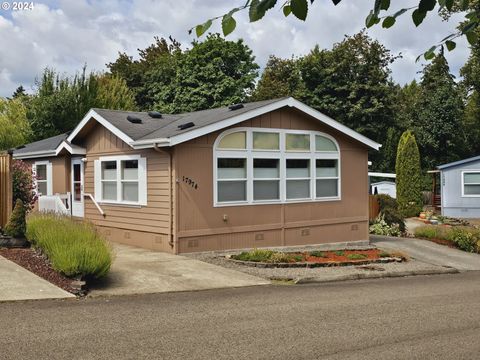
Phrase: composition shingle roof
x=167 y=126
x=45 y=145
x=459 y=162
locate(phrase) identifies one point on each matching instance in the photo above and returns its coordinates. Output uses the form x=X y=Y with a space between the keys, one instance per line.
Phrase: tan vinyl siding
x=154 y=218
x=60 y=172
x=201 y=226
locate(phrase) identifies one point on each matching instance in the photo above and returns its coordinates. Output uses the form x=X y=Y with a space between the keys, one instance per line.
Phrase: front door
x=77 y=188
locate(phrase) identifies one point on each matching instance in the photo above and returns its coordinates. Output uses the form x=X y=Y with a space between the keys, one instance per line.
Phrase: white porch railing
x=58 y=203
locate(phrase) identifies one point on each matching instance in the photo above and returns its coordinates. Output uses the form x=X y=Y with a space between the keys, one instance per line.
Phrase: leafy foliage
x=16 y=226
x=281 y=77
x=154 y=71
x=380 y=227
x=389 y=211
x=73 y=247
x=211 y=74
x=300 y=8
x=14 y=127
x=407 y=168
x=23 y=184
x=61 y=102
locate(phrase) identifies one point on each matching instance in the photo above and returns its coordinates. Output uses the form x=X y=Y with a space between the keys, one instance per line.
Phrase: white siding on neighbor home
x=453 y=203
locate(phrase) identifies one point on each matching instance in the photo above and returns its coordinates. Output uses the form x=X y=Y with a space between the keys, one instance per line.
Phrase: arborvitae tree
x=407 y=168
x=16 y=226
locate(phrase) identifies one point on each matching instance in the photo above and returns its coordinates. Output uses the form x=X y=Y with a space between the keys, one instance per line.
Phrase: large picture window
x=255 y=166
x=121 y=180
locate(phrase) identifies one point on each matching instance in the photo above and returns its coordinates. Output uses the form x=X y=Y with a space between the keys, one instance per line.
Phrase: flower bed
x=269 y=258
x=465 y=238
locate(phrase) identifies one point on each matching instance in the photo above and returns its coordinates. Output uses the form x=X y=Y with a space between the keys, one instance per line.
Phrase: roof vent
x=235 y=107
x=155 y=114
x=134 y=119
x=186 y=126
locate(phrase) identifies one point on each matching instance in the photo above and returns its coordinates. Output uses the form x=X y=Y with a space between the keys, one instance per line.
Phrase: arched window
x=258 y=166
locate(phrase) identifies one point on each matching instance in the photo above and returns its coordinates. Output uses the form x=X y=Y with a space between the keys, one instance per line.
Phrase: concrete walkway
x=140 y=271
x=430 y=252
x=17 y=283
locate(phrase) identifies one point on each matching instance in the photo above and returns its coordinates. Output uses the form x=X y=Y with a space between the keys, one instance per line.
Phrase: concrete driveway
x=140 y=271
x=430 y=252
x=17 y=283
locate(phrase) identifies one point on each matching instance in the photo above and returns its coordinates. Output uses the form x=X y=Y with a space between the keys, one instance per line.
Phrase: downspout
x=171 y=241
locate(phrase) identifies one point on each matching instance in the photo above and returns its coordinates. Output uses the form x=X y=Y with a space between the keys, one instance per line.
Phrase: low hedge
x=73 y=247
x=465 y=238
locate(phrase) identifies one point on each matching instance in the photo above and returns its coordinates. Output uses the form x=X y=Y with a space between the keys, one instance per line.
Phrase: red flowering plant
x=23 y=184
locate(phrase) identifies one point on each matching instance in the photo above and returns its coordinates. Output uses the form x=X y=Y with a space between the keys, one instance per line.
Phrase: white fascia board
x=34 y=154
x=334 y=124
x=291 y=102
x=384 y=175
x=72 y=150
x=92 y=114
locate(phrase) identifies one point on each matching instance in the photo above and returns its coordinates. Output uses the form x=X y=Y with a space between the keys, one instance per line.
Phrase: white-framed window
x=259 y=165
x=471 y=183
x=42 y=172
x=121 y=180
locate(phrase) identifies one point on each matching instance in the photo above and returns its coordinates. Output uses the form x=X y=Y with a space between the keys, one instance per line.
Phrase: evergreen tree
x=19 y=92
x=407 y=168
x=438 y=126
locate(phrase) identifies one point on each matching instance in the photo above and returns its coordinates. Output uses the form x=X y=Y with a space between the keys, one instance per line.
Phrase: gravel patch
x=410 y=267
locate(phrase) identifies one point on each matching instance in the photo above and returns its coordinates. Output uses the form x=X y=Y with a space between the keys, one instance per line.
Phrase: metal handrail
x=95 y=202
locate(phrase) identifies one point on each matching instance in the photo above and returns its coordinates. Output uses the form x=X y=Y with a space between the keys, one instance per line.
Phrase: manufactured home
x=458 y=188
x=262 y=174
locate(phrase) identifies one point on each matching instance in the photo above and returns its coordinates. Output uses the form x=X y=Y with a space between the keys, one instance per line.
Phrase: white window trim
x=49 y=179
x=249 y=153
x=463 y=183
x=142 y=180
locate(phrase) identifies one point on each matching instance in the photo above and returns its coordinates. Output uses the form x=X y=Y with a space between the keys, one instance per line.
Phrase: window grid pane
x=234 y=141
x=298 y=189
x=297 y=142
x=41 y=172
x=229 y=168
x=266 y=141
x=323 y=143
x=471 y=178
x=42 y=187
x=129 y=169
x=472 y=190
x=232 y=191
x=266 y=168
x=298 y=168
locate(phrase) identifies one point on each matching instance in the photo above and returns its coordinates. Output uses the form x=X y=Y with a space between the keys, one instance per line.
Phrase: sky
x=66 y=34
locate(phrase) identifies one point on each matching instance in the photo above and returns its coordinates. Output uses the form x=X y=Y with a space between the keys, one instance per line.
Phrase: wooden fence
x=373 y=207
x=5 y=188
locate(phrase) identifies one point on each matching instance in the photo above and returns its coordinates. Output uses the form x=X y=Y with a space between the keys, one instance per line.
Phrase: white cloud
x=66 y=34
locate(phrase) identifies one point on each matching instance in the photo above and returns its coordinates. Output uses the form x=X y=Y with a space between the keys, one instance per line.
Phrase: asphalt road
x=424 y=317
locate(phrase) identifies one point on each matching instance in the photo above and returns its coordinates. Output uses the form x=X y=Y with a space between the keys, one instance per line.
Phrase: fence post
x=6 y=191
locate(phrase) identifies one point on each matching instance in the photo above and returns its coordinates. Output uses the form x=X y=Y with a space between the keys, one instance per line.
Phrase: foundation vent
x=354 y=227
x=305 y=232
x=259 y=236
x=192 y=243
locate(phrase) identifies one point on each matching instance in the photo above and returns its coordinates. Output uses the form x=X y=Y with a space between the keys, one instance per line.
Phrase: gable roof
x=40 y=148
x=48 y=147
x=152 y=132
x=459 y=162
x=165 y=131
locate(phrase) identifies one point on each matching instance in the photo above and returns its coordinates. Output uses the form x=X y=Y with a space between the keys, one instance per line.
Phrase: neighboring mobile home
x=269 y=173
x=460 y=188
x=384 y=187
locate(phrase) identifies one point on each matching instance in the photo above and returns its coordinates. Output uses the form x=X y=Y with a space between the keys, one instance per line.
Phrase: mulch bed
x=329 y=258
x=37 y=263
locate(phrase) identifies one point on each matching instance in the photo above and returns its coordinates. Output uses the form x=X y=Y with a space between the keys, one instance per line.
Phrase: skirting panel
x=151 y=241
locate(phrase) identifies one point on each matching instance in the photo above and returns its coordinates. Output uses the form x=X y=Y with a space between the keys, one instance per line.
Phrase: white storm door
x=77 y=188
